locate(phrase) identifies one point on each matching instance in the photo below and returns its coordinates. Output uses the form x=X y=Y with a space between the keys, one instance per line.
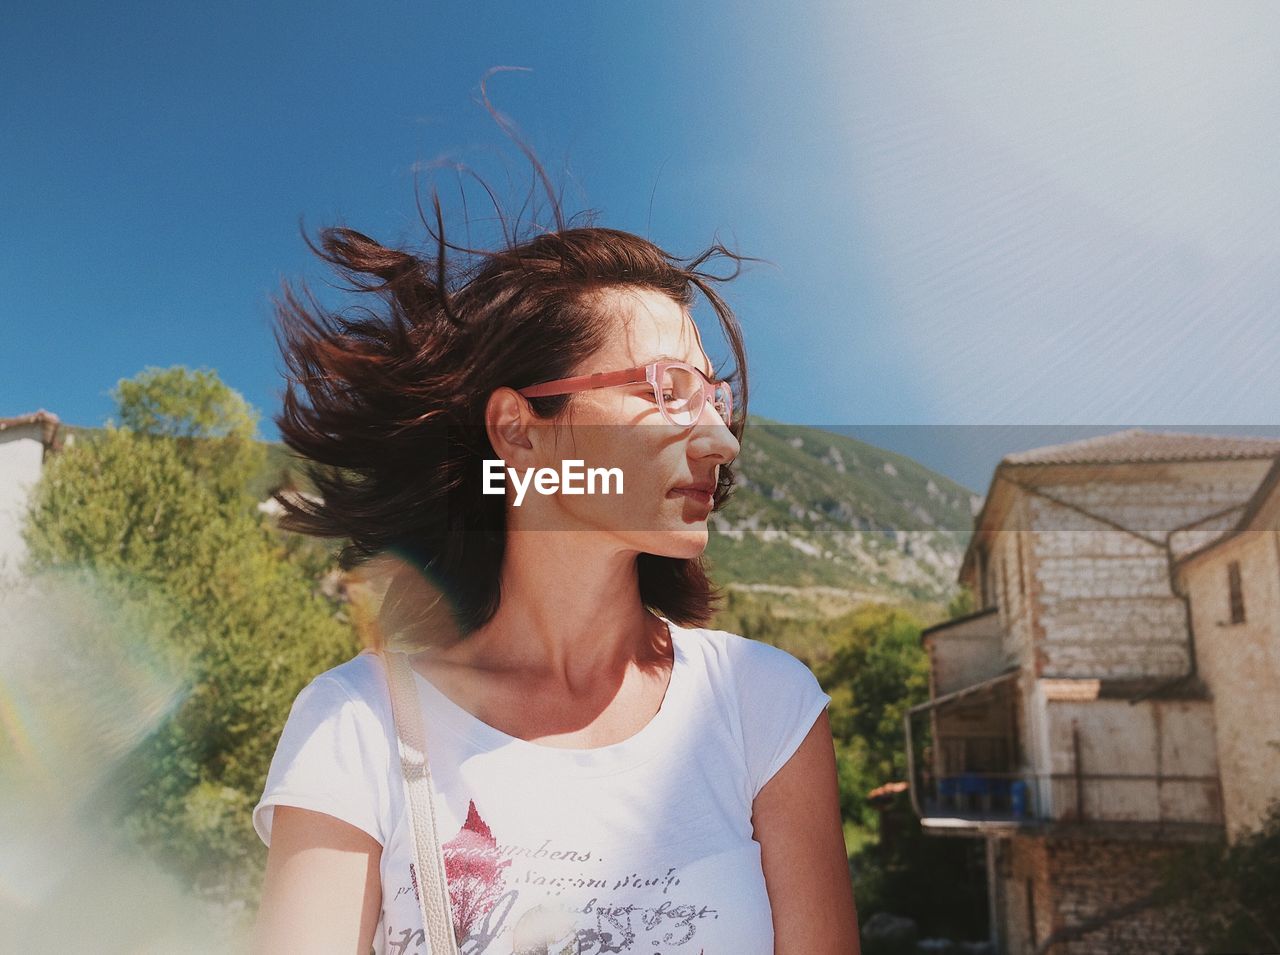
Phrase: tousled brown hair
x=392 y=425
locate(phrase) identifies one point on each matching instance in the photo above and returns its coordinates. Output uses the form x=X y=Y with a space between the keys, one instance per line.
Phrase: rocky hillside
x=832 y=515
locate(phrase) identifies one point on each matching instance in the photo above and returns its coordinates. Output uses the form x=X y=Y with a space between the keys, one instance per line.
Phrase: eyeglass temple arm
x=584 y=382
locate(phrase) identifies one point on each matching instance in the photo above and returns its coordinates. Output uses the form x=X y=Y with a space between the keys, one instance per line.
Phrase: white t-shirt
x=644 y=846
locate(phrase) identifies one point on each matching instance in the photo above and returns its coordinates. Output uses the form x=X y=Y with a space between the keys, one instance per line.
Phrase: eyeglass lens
x=682 y=396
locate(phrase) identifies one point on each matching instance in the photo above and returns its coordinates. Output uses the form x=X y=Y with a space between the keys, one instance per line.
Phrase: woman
x=609 y=775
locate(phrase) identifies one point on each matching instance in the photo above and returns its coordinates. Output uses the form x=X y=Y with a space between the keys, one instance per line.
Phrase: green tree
x=139 y=507
x=962 y=603
x=213 y=428
x=122 y=501
x=876 y=672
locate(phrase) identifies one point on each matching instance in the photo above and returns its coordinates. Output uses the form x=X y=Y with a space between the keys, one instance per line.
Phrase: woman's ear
x=507 y=420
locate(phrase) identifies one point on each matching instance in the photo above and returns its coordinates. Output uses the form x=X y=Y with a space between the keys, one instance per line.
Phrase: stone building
x=1234 y=587
x=25 y=442
x=1082 y=723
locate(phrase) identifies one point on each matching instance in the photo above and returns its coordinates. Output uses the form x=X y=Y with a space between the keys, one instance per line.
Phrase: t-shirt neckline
x=646 y=742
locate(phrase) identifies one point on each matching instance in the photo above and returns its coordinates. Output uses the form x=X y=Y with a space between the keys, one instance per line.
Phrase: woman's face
x=622 y=427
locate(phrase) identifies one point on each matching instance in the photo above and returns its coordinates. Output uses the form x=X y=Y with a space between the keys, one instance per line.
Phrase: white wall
x=21 y=453
x=1241 y=664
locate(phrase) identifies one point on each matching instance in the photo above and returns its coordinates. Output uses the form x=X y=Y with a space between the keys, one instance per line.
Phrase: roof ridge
x=1138 y=444
x=38 y=416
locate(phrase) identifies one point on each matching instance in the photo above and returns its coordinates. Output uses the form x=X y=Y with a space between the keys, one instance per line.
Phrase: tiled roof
x=884 y=794
x=36 y=417
x=49 y=426
x=1135 y=445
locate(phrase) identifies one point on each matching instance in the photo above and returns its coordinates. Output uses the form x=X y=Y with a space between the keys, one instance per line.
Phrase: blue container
x=1018 y=797
x=1001 y=791
x=971 y=784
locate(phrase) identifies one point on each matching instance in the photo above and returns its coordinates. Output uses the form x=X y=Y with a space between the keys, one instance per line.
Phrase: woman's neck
x=570 y=616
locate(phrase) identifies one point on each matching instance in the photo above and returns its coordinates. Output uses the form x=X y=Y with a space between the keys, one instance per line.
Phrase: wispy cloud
x=1072 y=208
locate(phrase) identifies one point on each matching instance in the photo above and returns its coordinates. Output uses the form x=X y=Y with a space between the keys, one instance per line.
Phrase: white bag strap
x=433 y=887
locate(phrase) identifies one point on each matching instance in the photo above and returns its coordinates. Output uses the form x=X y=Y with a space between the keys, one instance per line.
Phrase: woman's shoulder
x=770 y=696
x=335 y=751
x=362 y=667
x=362 y=679
x=744 y=660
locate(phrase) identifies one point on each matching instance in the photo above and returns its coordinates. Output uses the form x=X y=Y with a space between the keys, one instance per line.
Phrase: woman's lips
x=705 y=498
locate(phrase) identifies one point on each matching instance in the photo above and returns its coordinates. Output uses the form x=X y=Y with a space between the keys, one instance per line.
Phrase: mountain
x=829 y=514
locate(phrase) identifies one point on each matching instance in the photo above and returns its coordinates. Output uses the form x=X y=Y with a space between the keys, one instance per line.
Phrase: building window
x=1235 y=590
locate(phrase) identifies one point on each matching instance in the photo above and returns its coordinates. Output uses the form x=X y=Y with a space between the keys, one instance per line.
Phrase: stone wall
x=1052 y=884
x=1091 y=878
x=1104 y=607
x=1079 y=567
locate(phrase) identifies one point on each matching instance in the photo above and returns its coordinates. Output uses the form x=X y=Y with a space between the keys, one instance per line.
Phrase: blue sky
x=976 y=214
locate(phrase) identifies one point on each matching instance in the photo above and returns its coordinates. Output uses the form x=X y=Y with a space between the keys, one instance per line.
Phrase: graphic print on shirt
x=509 y=899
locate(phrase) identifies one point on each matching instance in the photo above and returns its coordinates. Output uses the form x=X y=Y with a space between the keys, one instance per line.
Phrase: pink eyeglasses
x=680 y=390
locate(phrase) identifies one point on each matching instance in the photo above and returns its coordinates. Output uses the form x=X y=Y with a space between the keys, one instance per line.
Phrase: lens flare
x=88 y=669
x=396 y=603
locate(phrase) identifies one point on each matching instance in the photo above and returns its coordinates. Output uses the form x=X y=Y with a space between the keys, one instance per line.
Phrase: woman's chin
x=683 y=542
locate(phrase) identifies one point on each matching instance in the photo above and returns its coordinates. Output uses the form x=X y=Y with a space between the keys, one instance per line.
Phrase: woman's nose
x=714 y=436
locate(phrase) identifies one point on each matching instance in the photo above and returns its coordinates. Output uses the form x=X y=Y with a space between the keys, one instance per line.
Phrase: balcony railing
x=1070 y=797
x=979 y=795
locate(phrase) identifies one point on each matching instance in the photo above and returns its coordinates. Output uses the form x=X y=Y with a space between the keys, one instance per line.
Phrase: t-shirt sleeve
x=332 y=757
x=781 y=700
